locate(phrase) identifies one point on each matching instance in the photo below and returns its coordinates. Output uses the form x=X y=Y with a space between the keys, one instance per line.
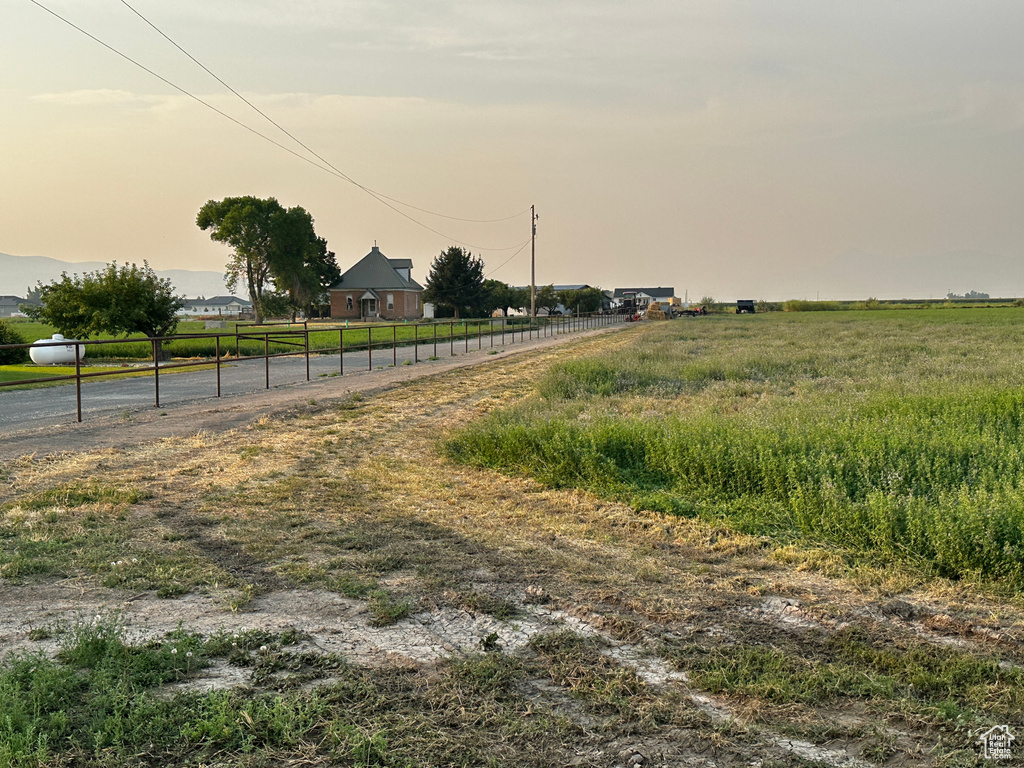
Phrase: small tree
x=456 y=280
x=115 y=300
x=499 y=295
x=10 y=336
x=547 y=298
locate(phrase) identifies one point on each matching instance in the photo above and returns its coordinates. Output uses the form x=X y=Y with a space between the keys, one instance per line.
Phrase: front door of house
x=369 y=307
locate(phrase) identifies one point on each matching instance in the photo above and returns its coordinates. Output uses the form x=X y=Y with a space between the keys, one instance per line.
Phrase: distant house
x=216 y=306
x=10 y=306
x=643 y=297
x=377 y=287
x=559 y=309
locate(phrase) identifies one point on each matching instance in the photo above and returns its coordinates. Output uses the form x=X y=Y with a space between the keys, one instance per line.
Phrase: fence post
x=394 y=346
x=451 y=339
x=369 y=347
x=416 y=343
x=78 y=381
x=266 y=355
x=465 y=333
x=307 y=352
x=341 y=351
x=435 y=337
x=156 y=374
x=216 y=343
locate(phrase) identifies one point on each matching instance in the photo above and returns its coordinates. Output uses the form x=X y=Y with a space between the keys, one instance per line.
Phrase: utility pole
x=533 y=263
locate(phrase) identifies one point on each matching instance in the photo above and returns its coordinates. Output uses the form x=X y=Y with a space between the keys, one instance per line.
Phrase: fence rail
x=292 y=342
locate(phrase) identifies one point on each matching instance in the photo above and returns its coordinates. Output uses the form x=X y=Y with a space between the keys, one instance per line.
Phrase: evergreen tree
x=456 y=280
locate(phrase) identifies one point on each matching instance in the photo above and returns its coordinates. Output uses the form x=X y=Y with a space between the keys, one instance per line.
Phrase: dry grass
x=354 y=497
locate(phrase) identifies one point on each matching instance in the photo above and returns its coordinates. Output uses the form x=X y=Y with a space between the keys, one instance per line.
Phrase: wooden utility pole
x=533 y=263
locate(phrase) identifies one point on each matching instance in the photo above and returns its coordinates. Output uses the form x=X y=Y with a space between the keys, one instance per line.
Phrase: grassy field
x=889 y=435
x=356 y=336
x=327 y=587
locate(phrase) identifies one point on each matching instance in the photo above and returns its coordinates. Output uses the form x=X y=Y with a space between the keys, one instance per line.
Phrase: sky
x=765 y=149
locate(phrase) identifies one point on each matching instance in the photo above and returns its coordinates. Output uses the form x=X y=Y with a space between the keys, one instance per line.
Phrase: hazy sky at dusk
x=760 y=149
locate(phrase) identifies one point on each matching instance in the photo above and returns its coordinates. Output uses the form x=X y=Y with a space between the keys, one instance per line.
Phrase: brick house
x=377 y=287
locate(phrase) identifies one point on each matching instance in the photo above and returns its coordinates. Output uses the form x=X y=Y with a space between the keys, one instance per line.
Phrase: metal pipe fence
x=293 y=341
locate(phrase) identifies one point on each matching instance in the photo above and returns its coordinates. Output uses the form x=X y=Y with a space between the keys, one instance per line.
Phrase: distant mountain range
x=20 y=272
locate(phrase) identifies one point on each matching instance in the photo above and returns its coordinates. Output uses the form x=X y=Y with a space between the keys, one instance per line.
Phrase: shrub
x=799 y=305
x=10 y=336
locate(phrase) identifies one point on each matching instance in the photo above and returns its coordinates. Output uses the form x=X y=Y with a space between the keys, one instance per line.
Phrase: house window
x=391 y=301
x=348 y=302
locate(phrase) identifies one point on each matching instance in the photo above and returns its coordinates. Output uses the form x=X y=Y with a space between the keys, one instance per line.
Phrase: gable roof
x=218 y=301
x=376 y=271
x=654 y=293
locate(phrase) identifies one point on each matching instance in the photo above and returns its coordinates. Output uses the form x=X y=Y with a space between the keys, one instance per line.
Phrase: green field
x=355 y=337
x=886 y=436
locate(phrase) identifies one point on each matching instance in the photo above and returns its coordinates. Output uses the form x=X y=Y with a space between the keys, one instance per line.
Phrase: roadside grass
x=899 y=440
x=87 y=528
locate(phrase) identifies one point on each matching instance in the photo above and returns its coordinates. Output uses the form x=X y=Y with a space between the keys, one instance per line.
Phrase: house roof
x=219 y=301
x=376 y=271
x=654 y=293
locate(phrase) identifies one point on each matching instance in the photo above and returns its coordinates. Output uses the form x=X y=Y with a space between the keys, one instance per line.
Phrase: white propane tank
x=57 y=354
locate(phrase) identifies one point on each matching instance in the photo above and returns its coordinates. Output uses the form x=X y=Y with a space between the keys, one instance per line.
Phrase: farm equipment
x=745 y=307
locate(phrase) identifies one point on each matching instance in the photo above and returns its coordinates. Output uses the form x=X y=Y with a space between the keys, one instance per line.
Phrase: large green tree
x=582 y=299
x=275 y=250
x=117 y=300
x=456 y=281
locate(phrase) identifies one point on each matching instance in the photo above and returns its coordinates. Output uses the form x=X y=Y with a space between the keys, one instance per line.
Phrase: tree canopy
x=116 y=300
x=499 y=295
x=547 y=297
x=456 y=281
x=275 y=251
x=582 y=299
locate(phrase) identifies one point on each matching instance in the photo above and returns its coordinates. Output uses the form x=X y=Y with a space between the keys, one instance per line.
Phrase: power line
x=298 y=141
x=506 y=261
x=326 y=167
